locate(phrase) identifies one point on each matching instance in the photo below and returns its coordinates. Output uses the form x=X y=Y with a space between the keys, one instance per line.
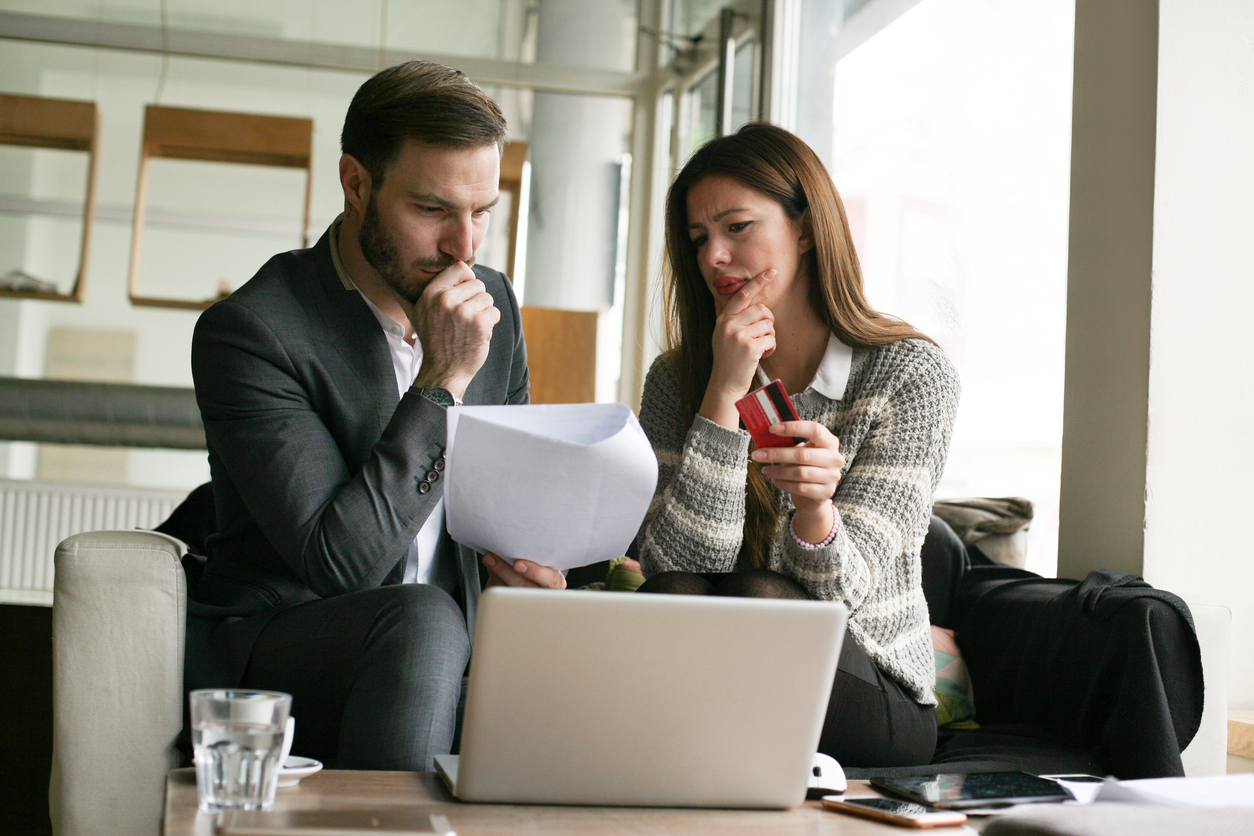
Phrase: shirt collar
x=335 y=254
x=833 y=374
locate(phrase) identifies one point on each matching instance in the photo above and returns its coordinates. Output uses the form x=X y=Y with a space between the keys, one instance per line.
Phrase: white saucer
x=295 y=768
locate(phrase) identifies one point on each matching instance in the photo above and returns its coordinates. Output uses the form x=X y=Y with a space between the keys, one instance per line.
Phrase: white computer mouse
x=826 y=776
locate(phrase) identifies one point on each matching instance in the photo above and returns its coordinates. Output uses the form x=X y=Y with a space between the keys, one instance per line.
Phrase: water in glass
x=237 y=764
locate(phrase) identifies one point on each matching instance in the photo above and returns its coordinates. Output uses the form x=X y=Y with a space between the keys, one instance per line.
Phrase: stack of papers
x=1213 y=791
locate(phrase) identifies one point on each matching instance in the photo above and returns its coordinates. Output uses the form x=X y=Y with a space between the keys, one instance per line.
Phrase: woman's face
x=739 y=232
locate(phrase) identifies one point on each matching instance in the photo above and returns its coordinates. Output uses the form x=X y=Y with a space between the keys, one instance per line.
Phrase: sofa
x=119 y=616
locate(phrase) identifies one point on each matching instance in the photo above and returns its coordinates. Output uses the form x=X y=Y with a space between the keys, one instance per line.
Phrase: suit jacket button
x=438 y=464
x=432 y=475
x=424 y=487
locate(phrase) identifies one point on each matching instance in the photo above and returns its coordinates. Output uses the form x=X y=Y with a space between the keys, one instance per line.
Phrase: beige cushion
x=118 y=619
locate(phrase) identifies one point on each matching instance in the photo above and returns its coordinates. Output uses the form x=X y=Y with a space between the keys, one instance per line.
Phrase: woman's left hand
x=808 y=472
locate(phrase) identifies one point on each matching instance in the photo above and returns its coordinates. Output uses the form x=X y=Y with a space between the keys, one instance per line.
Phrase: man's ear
x=806 y=233
x=355 y=181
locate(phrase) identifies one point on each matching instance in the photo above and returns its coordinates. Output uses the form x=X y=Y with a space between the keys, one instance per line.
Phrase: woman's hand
x=808 y=472
x=744 y=333
x=523 y=573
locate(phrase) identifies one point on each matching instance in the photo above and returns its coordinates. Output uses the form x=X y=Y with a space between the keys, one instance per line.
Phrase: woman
x=762 y=273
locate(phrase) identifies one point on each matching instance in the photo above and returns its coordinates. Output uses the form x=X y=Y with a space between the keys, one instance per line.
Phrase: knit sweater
x=894 y=424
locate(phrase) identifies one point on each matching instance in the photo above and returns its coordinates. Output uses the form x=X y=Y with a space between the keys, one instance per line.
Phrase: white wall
x=1101 y=516
x=1200 y=454
x=1157 y=459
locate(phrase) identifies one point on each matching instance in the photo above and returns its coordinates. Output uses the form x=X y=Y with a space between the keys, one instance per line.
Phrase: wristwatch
x=438 y=395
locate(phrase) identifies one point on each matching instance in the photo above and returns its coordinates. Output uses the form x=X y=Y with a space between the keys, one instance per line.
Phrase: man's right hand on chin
x=453 y=319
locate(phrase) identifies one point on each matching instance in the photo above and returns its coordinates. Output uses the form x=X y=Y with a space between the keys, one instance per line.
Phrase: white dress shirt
x=832 y=376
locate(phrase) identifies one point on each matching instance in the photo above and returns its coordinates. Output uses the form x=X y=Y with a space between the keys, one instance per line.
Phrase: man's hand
x=453 y=319
x=523 y=573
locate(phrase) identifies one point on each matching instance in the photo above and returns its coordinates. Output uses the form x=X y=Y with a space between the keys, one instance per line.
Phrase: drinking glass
x=237 y=737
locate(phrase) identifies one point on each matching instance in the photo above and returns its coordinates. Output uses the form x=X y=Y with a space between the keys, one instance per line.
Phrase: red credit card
x=762 y=408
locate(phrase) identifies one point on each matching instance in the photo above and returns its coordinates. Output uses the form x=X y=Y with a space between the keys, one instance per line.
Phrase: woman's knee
x=872 y=722
x=761 y=583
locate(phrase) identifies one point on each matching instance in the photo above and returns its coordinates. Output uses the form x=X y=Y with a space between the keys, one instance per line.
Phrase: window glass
x=702 y=102
x=210 y=226
x=574 y=218
x=689 y=17
x=951 y=148
x=497 y=29
x=41 y=217
x=744 y=82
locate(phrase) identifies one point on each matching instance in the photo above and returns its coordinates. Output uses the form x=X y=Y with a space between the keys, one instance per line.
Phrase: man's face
x=430 y=211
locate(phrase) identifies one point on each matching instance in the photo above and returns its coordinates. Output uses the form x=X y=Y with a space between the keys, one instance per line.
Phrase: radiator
x=36 y=516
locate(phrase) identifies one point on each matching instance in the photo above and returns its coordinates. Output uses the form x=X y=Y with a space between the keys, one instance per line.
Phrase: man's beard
x=379 y=248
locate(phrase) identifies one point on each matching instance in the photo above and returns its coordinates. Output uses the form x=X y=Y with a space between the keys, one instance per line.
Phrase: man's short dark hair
x=419 y=100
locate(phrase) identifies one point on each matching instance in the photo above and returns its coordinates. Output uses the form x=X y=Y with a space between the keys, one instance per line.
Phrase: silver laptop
x=606 y=698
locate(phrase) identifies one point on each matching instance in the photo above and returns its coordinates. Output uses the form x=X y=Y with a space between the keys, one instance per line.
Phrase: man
x=323 y=384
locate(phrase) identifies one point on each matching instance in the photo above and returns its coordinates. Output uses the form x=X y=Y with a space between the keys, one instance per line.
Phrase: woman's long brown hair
x=774 y=162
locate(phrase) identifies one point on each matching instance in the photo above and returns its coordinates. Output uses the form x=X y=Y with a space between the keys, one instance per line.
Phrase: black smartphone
x=979 y=789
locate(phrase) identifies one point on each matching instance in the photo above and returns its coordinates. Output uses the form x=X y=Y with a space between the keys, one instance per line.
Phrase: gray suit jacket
x=316 y=464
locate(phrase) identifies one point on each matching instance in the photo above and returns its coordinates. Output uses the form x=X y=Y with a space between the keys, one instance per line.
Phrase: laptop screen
x=581 y=697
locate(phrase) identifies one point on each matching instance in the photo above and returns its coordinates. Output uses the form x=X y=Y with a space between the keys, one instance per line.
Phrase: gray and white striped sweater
x=894 y=424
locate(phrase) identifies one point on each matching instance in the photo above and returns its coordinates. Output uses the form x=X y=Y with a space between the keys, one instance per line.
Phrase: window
x=950 y=145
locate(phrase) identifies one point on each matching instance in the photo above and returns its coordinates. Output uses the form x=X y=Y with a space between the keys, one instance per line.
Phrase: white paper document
x=1211 y=791
x=563 y=485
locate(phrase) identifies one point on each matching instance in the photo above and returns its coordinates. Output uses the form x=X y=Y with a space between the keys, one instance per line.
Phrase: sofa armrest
x=118 y=620
x=1110 y=665
x=1207 y=754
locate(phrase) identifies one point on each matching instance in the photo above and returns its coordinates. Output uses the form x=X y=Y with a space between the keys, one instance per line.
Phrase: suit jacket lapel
x=352 y=330
x=354 y=333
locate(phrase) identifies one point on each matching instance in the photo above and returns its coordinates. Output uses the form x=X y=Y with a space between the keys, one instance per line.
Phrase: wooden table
x=350 y=790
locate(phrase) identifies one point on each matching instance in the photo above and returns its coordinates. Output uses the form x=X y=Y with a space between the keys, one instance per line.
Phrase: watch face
x=438 y=395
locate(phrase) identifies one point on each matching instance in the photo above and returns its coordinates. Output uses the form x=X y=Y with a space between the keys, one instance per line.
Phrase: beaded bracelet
x=827 y=541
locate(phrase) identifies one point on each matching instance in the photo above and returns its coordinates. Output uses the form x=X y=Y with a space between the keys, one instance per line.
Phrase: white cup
x=239 y=739
x=288 y=733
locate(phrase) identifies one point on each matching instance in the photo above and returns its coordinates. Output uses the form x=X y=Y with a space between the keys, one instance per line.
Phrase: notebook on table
x=605 y=698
